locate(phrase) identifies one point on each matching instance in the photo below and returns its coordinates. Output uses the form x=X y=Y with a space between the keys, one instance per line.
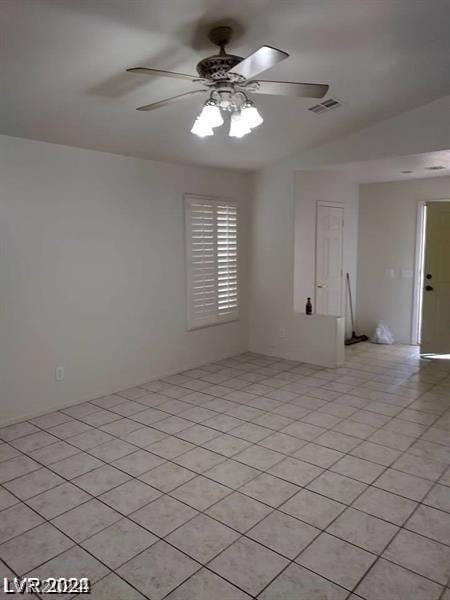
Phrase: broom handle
x=351 y=303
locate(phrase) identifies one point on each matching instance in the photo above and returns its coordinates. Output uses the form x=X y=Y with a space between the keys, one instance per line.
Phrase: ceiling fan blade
x=292 y=88
x=159 y=72
x=167 y=101
x=264 y=58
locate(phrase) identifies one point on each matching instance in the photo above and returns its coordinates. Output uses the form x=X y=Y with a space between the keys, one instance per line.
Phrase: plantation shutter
x=227 y=287
x=212 y=261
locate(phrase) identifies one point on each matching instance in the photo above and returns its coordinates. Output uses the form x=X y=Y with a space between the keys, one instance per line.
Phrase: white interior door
x=329 y=238
x=435 y=337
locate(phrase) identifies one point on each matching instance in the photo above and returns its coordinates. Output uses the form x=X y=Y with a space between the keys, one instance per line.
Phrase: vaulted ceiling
x=63 y=70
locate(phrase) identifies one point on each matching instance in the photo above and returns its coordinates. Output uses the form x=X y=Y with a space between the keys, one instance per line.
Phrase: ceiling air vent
x=325 y=106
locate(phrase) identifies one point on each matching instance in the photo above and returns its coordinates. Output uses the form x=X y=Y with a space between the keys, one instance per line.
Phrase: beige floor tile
x=58 y=500
x=34 y=441
x=227 y=445
x=199 y=460
x=54 y=453
x=336 y=560
x=297 y=582
x=167 y=476
x=138 y=462
x=158 y=570
x=33 y=483
x=313 y=508
x=269 y=490
x=357 y=468
x=338 y=487
x=421 y=555
x=76 y=465
x=101 y=480
x=403 y=484
x=163 y=515
x=16 y=520
x=296 y=471
x=200 y=492
x=363 y=530
x=239 y=512
x=376 y=453
x=85 y=520
x=438 y=497
x=248 y=565
x=387 y=506
x=113 y=587
x=283 y=533
x=204 y=585
x=17 y=466
x=6 y=499
x=130 y=496
x=112 y=450
x=387 y=580
x=13 y=432
x=119 y=543
x=202 y=538
x=318 y=455
x=432 y=523
x=75 y=560
x=232 y=473
x=36 y=546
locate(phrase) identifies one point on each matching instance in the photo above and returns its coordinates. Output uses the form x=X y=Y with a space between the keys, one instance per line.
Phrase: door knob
x=429 y=288
x=321 y=286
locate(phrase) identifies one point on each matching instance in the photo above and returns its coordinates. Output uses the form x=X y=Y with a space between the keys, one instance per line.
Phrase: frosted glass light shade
x=251 y=116
x=238 y=127
x=211 y=115
x=201 y=129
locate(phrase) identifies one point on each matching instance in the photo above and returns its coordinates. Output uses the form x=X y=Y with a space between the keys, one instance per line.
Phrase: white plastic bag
x=382 y=335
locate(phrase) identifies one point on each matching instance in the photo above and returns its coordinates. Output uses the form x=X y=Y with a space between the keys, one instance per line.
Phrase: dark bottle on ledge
x=308 y=308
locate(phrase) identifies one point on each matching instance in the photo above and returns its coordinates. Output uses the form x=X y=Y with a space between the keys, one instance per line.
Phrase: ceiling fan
x=229 y=79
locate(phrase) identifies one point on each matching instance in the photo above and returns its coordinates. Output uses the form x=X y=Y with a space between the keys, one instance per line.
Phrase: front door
x=435 y=337
x=329 y=236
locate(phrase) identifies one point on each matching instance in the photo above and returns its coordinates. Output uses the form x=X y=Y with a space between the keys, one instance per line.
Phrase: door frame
x=419 y=262
x=341 y=205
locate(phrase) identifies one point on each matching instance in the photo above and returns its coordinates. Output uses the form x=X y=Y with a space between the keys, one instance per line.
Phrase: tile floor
x=251 y=477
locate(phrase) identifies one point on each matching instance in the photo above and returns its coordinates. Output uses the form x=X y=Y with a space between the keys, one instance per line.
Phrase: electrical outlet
x=282 y=333
x=59 y=373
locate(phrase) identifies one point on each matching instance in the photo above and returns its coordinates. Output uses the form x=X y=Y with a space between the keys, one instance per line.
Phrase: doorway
x=431 y=309
x=329 y=244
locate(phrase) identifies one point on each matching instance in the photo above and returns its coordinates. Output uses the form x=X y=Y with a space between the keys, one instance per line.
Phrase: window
x=212 y=260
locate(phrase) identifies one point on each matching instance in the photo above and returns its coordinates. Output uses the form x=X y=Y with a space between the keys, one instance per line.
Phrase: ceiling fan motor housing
x=216 y=68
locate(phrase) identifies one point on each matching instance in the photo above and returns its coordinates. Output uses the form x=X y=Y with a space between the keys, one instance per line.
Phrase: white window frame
x=216 y=318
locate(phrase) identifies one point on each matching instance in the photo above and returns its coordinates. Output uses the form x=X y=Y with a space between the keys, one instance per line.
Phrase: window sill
x=226 y=321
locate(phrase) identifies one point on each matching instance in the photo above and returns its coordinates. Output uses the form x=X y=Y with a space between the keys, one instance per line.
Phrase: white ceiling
x=63 y=70
x=398 y=168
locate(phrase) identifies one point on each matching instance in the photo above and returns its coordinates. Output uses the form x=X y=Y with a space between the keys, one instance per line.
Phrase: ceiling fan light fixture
x=211 y=115
x=251 y=115
x=238 y=126
x=201 y=128
x=228 y=79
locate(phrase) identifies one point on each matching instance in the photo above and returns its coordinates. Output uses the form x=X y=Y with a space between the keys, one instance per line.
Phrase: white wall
x=424 y=129
x=387 y=240
x=282 y=261
x=92 y=260
x=312 y=187
x=92 y=274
